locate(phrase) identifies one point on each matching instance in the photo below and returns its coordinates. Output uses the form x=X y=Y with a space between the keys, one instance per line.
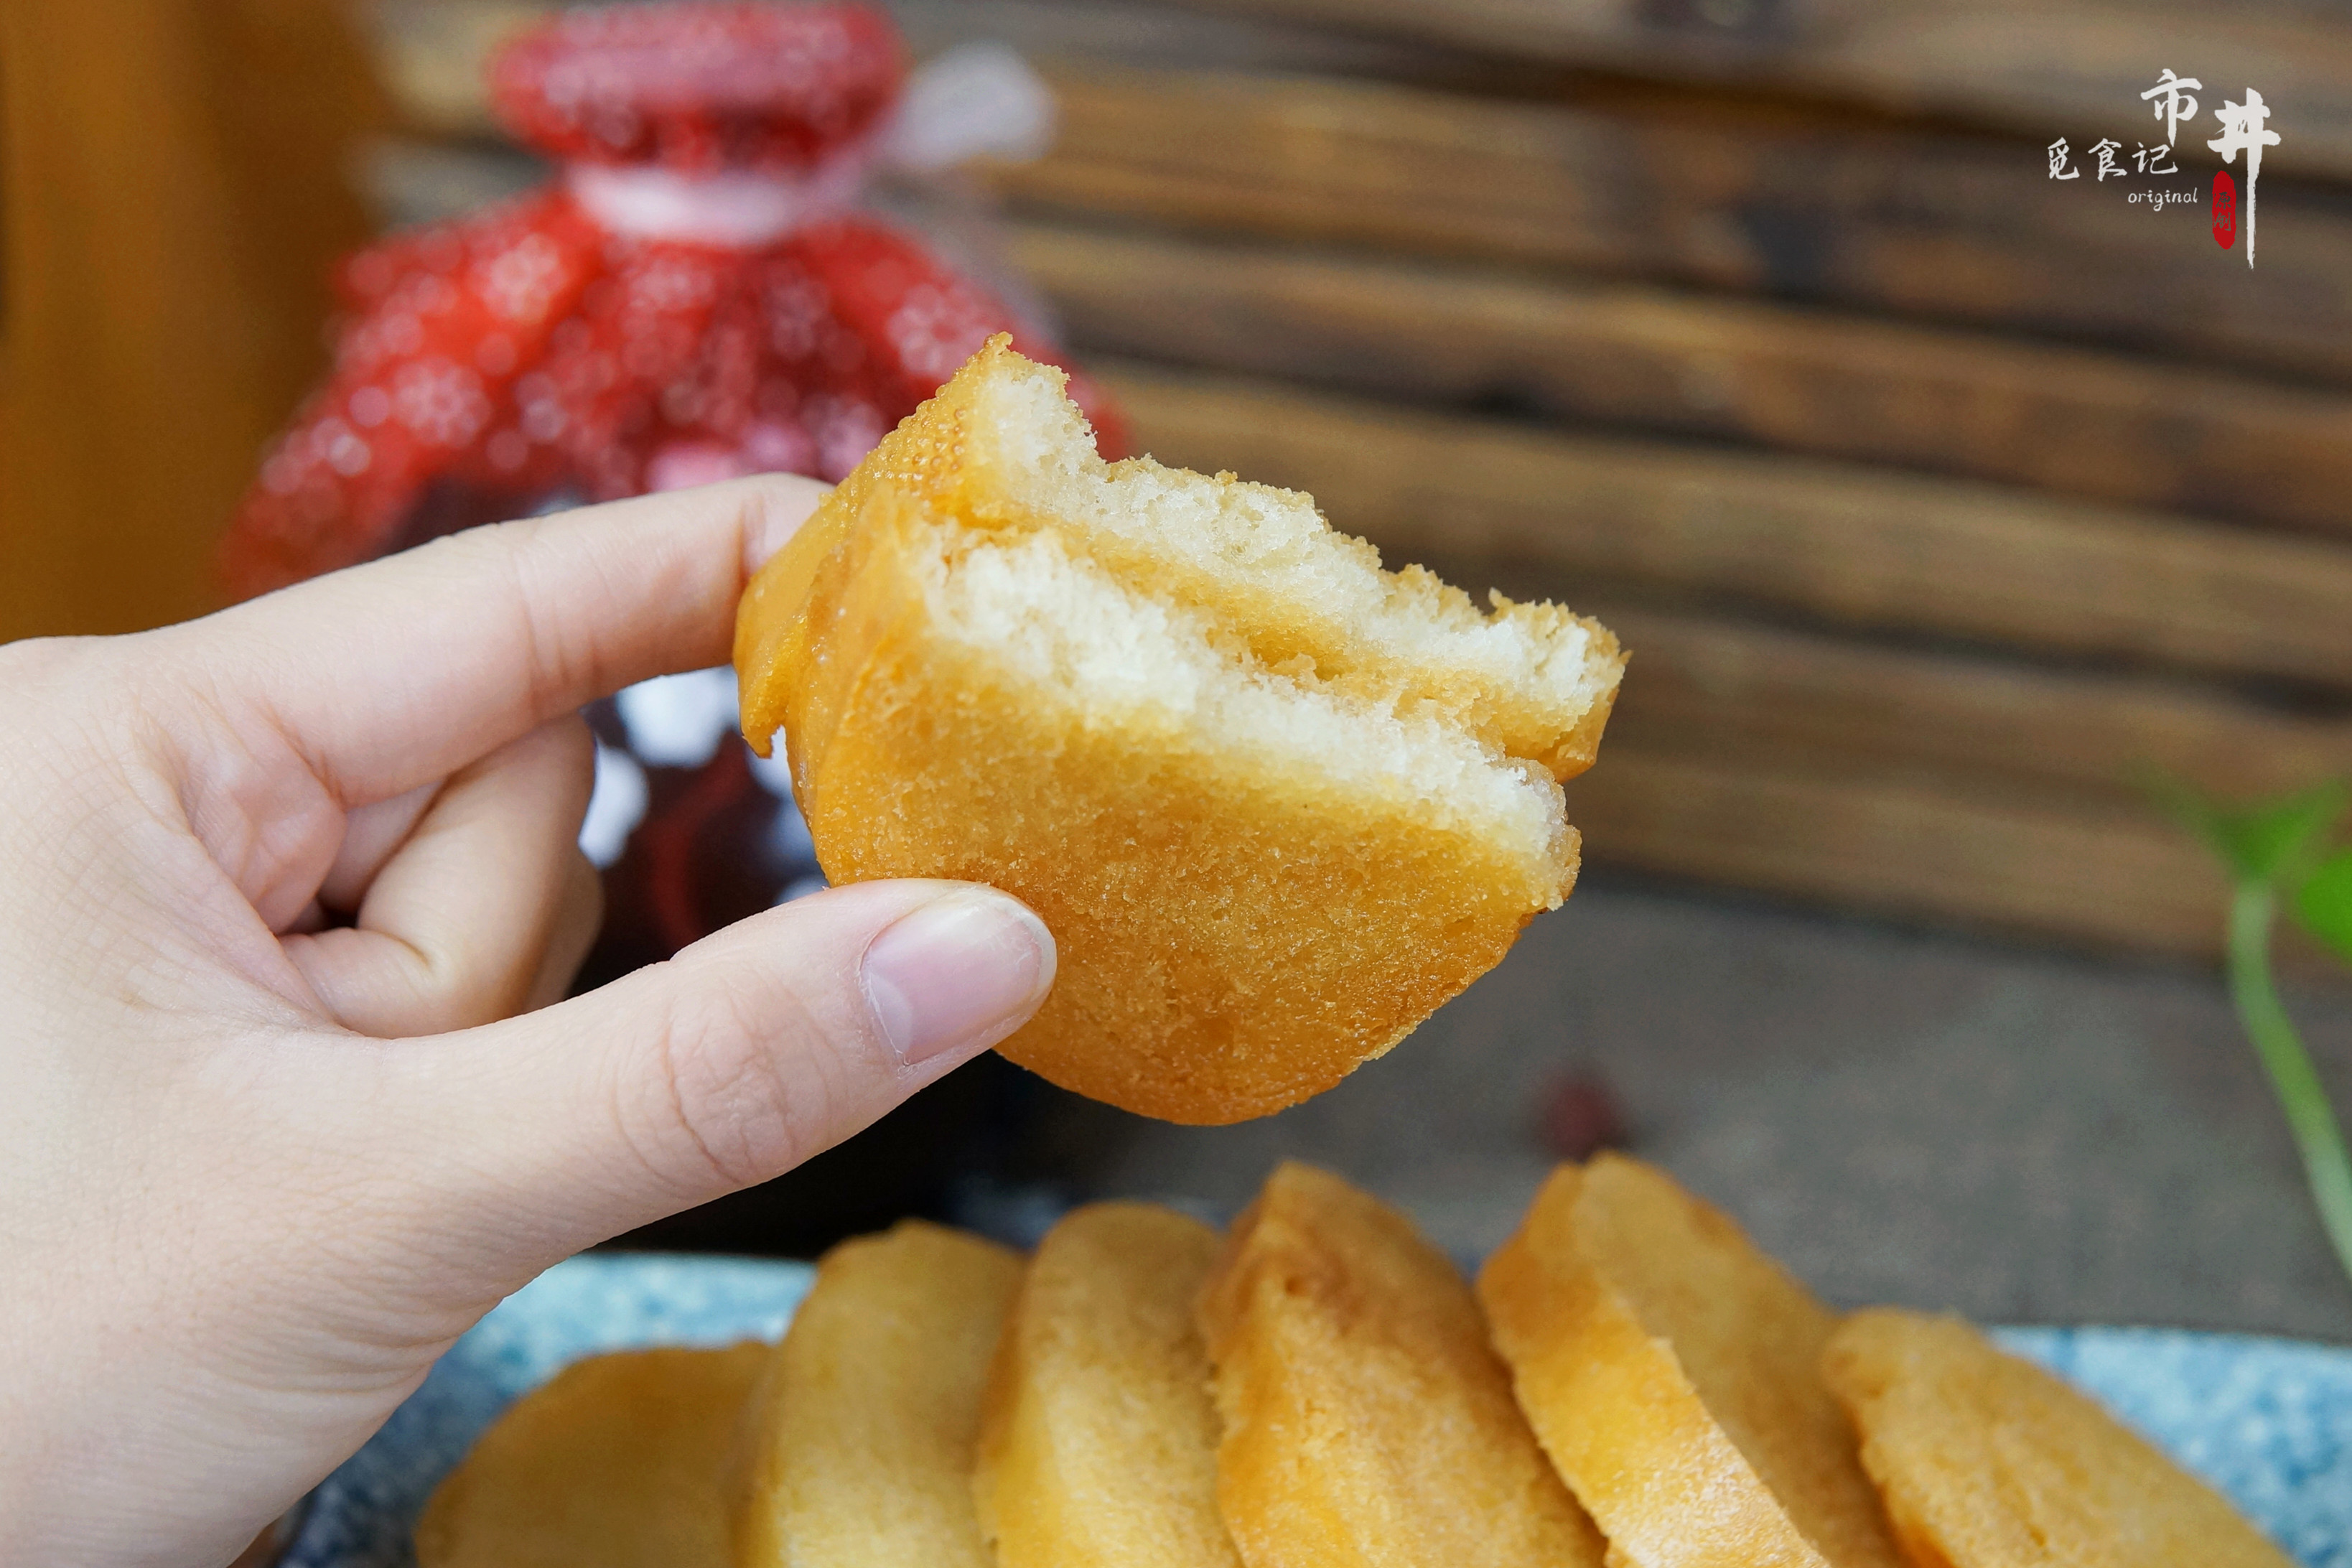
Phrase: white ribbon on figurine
x=973 y=100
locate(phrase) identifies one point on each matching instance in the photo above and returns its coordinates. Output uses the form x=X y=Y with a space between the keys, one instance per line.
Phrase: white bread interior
x=1524 y=675
x=1080 y=640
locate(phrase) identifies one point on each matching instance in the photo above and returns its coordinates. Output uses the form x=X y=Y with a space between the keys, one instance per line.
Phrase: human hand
x=272 y=881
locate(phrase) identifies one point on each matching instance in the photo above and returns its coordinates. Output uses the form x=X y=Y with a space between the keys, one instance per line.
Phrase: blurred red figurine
x=694 y=298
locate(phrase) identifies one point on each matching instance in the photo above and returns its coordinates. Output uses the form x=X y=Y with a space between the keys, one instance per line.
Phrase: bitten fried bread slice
x=858 y=1449
x=1988 y=1461
x=1099 y=1440
x=616 y=1461
x=1001 y=447
x=1673 y=1373
x=1367 y=1422
x=1276 y=805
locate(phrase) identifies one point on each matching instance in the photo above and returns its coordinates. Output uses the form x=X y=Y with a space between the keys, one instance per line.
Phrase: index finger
x=388 y=675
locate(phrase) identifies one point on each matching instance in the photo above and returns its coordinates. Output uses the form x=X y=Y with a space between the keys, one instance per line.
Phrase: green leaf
x=2322 y=905
x=2260 y=840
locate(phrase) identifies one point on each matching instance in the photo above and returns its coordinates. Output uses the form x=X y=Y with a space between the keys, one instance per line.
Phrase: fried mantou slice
x=1367 y=1423
x=617 y=1461
x=1674 y=1374
x=1262 y=862
x=1254 y=881
x=1099 y=1440
x=860 y=1449
x=1001 y=447
x=1987 y=1461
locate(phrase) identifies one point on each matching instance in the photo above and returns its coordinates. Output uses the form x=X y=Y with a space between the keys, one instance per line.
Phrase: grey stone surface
x=1901 y=1115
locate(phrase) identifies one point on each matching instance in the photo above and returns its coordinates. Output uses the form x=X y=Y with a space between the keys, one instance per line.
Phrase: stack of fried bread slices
x=1630 y=1383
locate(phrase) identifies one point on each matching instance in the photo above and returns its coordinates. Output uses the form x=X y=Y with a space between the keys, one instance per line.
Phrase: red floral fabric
x=699 y=87
x=525 y=352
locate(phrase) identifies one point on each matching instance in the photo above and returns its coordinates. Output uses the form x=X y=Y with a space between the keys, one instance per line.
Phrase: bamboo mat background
x=1937 y=499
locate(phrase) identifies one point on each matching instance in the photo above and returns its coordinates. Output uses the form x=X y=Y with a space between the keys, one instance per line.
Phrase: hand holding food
x=271 y=910
x=269 y=1141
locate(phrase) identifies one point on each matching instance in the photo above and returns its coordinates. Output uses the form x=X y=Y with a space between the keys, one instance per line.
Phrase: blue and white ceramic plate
x=2267 y=1421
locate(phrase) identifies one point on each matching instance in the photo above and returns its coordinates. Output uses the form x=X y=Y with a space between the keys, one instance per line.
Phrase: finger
x=371 y=834
x=748 y=1052
x=445 y=652
x=579 y=915
x=459 y=923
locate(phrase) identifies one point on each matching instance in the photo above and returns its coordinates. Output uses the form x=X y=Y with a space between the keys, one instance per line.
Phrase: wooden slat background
x=1860 y=547
x=1937 y=500
x=2044 y=69
x=1909 y=220
x=1579 y=347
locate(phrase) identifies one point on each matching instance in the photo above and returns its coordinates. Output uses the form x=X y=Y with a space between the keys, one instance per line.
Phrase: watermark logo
x=2173 y=100
x=2172 y=103
x=2242 y=131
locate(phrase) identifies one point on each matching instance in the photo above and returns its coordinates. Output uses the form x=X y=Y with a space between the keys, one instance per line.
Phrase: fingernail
x=958 y=975
x=777 y=518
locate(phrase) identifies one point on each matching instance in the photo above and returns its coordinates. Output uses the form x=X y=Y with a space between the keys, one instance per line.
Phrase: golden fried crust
x=1235 y=934
x=1229 y=941
x=1673 y=1373
x=781 y=625
x=1097 y=1446
x=858 y=1453
x=1988 y=1461
x=615 y=1462
x=1365 y=1421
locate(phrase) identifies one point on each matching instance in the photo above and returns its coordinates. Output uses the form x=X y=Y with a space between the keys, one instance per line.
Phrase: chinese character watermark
x=2173 y=102
x=2169 y=94
x=2242 y=128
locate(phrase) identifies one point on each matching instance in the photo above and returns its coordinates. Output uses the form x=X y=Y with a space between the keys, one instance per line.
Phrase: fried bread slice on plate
x=1674 y=1374
x=1099 y=1440
x=1367 y=1422
x=1987 y=1461
x=616 y=1461
x=858 y=1451
x=1276 y=805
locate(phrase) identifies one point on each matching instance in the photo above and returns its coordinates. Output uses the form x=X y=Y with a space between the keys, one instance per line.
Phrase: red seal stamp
x=2225 y=209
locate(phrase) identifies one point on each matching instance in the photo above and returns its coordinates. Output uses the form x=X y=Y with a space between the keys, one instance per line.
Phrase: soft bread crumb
x=1526 y=675
x=1111 y=656
x=1001 y=447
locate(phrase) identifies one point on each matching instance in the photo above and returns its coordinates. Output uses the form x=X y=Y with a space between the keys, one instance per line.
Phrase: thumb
x=748 y=1052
